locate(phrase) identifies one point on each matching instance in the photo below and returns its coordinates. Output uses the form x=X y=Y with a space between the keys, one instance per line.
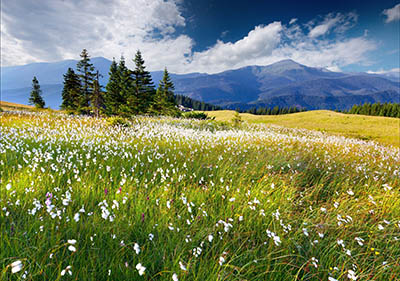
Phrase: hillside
x=381 y=129
x=177 y=199
x=284 y=83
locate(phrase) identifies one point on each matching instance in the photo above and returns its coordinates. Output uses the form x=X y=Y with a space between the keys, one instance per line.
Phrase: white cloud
x=394 y=72
x=56 y=30
x=392 y=14
x=260 y=42
x=268 y=44
x=339 y=22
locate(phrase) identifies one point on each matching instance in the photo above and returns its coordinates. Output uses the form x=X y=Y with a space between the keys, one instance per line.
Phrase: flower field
x=176 y=199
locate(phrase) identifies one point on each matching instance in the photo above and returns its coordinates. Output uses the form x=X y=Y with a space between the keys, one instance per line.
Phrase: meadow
x=177 y=199
x=384 y=130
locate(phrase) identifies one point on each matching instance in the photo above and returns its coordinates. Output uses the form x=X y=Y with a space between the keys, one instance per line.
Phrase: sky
x=207 y=36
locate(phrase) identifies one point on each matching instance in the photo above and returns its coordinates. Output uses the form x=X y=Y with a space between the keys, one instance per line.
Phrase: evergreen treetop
x=36 y=94
x=143 y=87
x=87 y=75
x=71 y=91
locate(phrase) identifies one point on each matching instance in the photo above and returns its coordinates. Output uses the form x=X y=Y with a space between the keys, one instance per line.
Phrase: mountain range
x=284 y=83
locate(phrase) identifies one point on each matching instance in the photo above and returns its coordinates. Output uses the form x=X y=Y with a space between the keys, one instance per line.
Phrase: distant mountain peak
x=286 y=62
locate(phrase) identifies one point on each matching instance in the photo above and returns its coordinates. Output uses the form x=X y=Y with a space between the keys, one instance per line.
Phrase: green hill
x=384 y=130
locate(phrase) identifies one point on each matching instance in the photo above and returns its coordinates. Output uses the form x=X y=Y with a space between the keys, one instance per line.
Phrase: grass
x=14 y=106
x=199 y=199
x=384 y=130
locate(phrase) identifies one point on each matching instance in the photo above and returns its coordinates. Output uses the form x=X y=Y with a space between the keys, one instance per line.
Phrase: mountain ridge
x=285 y=82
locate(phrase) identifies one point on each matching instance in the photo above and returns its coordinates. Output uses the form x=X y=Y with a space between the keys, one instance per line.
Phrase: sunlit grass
x=385 y=130
x=196 y=198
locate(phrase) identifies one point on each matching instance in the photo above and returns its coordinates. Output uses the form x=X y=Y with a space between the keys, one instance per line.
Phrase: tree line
x=128 y=92
x=195 y=104
x=375 y=109
x=272 y=111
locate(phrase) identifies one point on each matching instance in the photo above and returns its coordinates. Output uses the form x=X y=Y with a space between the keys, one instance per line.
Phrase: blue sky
x=206 y=36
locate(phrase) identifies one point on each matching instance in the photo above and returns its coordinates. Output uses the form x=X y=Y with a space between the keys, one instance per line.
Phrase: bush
x=197 y=115
x=117 y=121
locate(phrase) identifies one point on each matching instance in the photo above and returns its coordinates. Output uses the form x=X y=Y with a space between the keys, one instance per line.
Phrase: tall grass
x=198 y=199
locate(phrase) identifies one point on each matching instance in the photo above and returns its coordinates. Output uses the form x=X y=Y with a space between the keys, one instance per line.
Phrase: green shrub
x=197 y=115
x=117 y=121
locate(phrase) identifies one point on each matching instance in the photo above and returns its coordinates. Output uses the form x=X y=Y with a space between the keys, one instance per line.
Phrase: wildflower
x=76 y=217
x=16 y=266
x=140 y=268
x=71 y=248
x=332 y=279
x=210 y=238
x=221 y=260
x=314 y=262
x=182 y=266
x=351 y=275
x=67 y=269
x=136 y=248
x=175 y=277
x=359 y=241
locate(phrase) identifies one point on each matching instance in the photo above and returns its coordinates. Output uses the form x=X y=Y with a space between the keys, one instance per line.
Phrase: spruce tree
x=143 y=87
x=36 y=94
x=112 y=99
x=125 y=85
x=71 y=91
x=87 y=74
x=164 y=102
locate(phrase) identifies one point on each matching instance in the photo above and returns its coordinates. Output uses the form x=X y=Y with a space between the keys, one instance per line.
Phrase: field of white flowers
x=175 y=199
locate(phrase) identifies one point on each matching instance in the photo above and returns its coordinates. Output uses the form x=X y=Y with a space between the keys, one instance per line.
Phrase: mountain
x=285 y=83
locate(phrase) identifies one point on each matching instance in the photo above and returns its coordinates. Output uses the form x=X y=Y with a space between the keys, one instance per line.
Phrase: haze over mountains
x=285 y=83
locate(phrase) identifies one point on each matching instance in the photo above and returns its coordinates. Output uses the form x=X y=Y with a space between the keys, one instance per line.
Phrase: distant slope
x=10 y=105
x=385 y=130
x=285 y=83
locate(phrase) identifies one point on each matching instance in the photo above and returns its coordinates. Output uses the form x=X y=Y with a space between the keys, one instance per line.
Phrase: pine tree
x=112 y=97
x=71 y=90
x=87 y=74
x=164 y=102
x=143 y=87
x=125 y=85
x=36 y=94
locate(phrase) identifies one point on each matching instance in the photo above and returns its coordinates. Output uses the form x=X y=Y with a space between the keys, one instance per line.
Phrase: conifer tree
x=112 y=97
x=71 y=90
x=125 y=85
x=87 y=75
x=36 y=94
x=164 y=101
x=143 y=87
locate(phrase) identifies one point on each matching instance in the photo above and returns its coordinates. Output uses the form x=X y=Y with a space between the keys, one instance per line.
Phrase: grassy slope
x=167 y=174
x=382 y=129
x=11 y=105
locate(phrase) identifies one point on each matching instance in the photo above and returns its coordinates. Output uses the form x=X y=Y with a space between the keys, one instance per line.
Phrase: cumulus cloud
x=50 y=30
x=271 y=43
x=260 y=42
x=55 y=30
x=392 y=14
